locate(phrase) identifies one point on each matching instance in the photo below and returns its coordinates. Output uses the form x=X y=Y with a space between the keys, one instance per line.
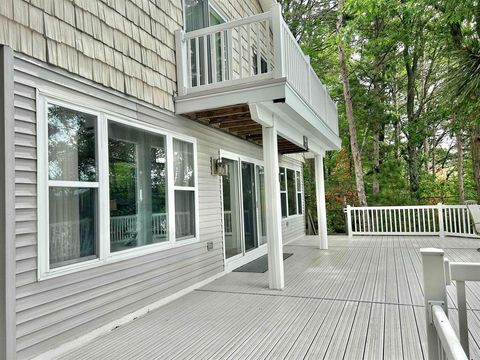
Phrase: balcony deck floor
x=361 y=299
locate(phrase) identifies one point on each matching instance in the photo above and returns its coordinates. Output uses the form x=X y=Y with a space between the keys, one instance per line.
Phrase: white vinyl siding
x=54 y=311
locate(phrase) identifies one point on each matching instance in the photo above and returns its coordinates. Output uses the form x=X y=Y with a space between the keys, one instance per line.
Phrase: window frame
x=103 y=253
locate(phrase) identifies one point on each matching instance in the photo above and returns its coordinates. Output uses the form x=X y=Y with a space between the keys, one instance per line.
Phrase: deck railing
x=250 y=49
x=125 y=227
x=438 y=272
x=441 y=220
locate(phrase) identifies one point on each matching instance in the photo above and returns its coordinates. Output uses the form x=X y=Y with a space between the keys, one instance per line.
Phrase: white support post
x=441 y=220
x=273 y=208
x=182 y=63
x=278 y=41
x=435 y=290
x=349 y=221
x=321 y=205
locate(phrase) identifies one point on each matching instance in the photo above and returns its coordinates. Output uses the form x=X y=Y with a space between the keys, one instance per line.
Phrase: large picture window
x=98 y=206
x=137 y=178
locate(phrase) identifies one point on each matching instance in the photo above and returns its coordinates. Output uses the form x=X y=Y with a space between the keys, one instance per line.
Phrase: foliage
x=415 y=84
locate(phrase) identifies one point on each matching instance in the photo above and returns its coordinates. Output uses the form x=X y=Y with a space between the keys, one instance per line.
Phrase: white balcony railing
x=250 y=49
x=438 y=272
x=441 y=220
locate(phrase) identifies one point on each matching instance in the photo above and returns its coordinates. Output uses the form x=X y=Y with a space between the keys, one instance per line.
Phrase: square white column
x=273 y=208
x=321 y=205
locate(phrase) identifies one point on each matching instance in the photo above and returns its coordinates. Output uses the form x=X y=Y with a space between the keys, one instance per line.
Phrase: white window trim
x=102 y=184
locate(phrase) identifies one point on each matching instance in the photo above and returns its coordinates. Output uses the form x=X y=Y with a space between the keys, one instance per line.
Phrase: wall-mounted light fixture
x=219 y=167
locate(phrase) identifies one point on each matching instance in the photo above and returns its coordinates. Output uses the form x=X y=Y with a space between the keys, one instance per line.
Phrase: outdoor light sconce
x=218 y=167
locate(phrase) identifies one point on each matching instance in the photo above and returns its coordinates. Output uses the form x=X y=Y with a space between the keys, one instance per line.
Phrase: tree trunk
x=412 y=147
x=461 y=189
x=376 y=164
x=475 y=148
x=357 y=161
x=426 y=152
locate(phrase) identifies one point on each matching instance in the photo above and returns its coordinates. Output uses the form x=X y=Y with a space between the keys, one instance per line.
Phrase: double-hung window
x=290 y=192
x=72 y=186
x=299 y=193
x=109 y=188
x=283 y=191
x=184 y=179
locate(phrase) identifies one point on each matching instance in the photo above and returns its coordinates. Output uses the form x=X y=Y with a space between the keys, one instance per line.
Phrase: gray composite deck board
x=361 y=299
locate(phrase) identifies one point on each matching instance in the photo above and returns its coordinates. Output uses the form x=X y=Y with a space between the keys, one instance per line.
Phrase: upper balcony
x=254 y=60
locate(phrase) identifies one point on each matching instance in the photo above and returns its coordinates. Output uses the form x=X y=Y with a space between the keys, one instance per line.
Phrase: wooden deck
x=361 y=299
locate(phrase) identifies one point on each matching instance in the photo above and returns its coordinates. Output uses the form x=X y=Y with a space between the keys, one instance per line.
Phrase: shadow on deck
x=361 y=299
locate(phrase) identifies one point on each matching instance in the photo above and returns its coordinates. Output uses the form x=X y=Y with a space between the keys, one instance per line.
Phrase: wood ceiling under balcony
x=237 y=120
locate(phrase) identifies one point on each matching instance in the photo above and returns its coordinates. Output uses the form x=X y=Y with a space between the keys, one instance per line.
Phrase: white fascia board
x=262 y=91
x=292 y=122
x=297 y=108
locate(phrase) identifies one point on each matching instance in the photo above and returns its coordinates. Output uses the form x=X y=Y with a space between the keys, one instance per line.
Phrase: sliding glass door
x=243 y=206
x=231 y=210
x=249 y=206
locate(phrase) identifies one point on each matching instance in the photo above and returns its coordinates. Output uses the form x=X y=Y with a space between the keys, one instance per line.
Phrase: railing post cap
x=432 y=252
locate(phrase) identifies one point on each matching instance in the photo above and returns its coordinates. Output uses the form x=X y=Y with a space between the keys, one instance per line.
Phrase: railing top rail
x=228 y=25
x=406 y=207
x=461 y=271
x=448 y=338
x=393 y=207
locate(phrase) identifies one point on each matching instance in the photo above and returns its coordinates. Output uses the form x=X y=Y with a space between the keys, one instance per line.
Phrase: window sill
x=115 y=257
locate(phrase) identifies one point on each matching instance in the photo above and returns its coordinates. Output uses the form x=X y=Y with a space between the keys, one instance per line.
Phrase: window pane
x=299 y=182
x=72 y=225
x=71 y=145
x=283 y=185
x=184 y=214
x=283 y=199
x=183 y=163
x=137 y=175
x=196 y=14
x=299 y=202
x=292 y=193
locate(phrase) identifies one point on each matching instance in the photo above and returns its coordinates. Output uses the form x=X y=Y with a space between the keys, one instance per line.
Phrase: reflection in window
x=72 y=229
x=184 y=180
x=137 y=175
x=71 y=145
x=292 y=192
x=283 y=191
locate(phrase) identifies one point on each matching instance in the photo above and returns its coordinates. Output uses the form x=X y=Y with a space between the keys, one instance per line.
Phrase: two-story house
x=147 y=147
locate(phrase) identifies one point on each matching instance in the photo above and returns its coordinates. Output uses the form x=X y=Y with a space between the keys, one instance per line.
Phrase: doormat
x=259 y=265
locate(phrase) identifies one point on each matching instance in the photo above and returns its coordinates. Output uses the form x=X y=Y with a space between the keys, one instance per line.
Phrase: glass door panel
x=249 y=206
x=231 y=210
x=262 y=231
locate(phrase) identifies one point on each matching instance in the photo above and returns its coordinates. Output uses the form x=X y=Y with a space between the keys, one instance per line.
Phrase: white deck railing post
x=435 y=294
x=182 y=63
x=441 y=220
x=278 y=41
x=349 y=221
